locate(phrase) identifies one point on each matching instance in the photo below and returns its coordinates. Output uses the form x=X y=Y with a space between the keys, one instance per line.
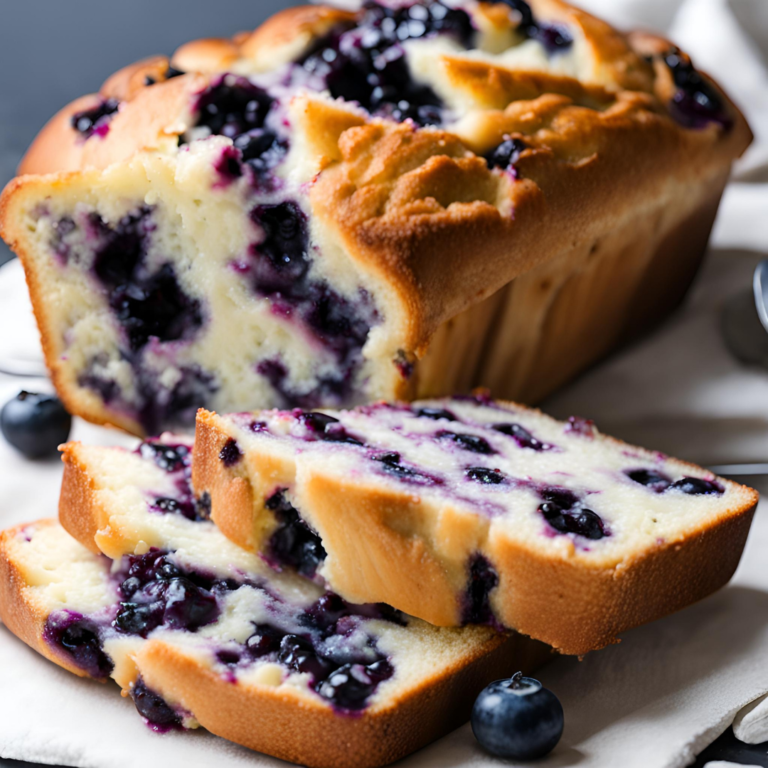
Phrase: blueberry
x=35 y=424
x=78 y=637
x=435 y=413
x=695 y=486
x=96 y=119
x=152 y=706
x=230 y=453
x=482 y=579
x=506 y=154
x=522 y=437
x=473 y=443
x=581 y=521
x=264 y=640
x=485 y=475
x=171 y=458
x=392 y=465
x=650 y=478
x=293 y=543
x=517 y=719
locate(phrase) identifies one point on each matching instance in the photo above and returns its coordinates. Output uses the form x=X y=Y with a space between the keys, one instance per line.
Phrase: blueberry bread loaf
x=473 y=511
x=200 y=632
x=342 y=207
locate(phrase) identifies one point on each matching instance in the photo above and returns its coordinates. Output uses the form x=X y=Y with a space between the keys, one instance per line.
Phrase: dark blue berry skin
x=485 y=475
x=696 y=103
x=695 y=486
x=522 y=436
x=477 y=603
x=78 y=637
x=506 y=154
x=472 y=443
x=650 y=478
x=293 y=543
x=517 y=719
x=153 y=707
x=230 y=454
x=35 y=424
x=94 y=120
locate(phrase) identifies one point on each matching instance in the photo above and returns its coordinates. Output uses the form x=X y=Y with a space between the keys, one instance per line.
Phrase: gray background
x=52 y=51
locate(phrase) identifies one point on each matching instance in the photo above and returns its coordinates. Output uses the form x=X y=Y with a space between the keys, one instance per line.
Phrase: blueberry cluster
x=367 y=64
x=658 y=482
x=293 y=543
x=279 y=269
x=236 y=108
x=156 y=592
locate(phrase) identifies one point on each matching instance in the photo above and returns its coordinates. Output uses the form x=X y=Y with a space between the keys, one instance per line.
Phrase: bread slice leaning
x=107 y=501
x=472 y=513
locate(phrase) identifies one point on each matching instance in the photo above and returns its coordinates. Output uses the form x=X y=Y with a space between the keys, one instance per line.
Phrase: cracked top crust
x=599 y=123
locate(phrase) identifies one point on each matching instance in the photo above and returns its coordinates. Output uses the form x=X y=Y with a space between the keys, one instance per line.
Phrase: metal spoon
x=744 y=321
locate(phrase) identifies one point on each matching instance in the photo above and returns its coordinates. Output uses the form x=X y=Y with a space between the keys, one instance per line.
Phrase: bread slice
x=375 y=685
x=466 y=510
x=260 y=228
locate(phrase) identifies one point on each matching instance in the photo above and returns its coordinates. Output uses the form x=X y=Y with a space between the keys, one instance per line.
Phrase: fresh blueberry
x=695 y=486
x=517 y=719
x=35 y=424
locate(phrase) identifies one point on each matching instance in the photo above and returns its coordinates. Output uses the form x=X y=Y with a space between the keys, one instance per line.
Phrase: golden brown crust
x=311 y=734
x=79 y=512
x=571 y=605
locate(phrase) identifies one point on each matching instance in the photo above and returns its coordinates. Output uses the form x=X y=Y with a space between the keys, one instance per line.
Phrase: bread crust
x=291 y=727
x=391 y=546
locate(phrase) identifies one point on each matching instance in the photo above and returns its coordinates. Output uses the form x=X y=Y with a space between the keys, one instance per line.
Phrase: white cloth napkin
x=668 y=689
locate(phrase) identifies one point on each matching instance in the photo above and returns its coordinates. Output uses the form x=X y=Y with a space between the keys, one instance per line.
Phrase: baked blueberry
x=485 y=475
x=230 y=453
x=482 y=580
x=35 y=424
x=522 y=436
x=650 y=478
x=472 y=443
x=152 y=706
x=581 y=521
x=517 y=719
x=695 y=486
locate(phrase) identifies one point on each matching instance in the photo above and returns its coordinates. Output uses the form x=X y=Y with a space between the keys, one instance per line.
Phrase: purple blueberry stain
x=579 y=426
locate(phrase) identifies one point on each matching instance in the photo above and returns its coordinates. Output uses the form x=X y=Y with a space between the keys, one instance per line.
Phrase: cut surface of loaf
x=290 y=217
x=198 y=631
x=472 y=510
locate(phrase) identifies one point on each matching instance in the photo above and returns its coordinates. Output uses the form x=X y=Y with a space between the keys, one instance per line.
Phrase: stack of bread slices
x=334 y=588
